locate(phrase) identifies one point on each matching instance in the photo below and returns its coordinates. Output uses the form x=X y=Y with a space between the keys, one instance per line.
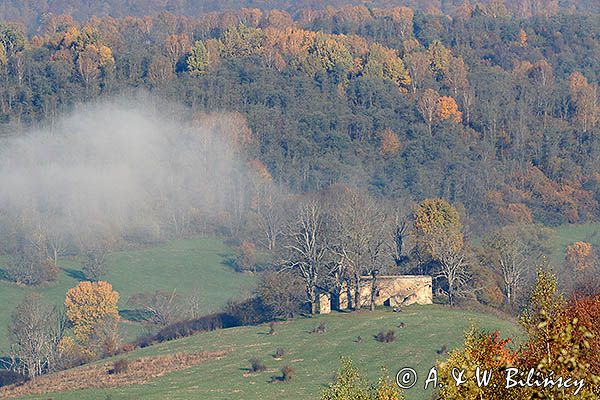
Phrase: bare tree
x=95 y=264
x=193 y=303
x=271 y=215
x=163 y=307
x=453 y=265
x=426 y=105
x=306 y=247
x=360 y=239
x=29 y=261
x=400 y=233
x=511 y=260
x=36 y=330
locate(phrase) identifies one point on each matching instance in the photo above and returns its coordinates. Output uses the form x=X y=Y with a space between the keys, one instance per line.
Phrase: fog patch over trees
x=129 y=167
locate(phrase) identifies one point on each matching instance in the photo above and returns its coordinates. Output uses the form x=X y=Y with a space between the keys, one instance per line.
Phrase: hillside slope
x=184 y=265
x=314 y=357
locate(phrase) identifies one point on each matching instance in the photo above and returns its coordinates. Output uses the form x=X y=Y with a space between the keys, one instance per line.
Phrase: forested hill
x=492 y=111
x=30 y=12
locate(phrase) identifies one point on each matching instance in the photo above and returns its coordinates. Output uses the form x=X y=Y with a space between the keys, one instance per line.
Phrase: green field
x=183 y=265
x=567 y=234
x=313 y=356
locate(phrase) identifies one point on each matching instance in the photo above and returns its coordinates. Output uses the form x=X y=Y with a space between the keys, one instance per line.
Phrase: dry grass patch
x=101 y=376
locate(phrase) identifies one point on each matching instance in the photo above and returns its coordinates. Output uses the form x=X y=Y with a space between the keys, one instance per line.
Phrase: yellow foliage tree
x=88 y=303
x=436 y=214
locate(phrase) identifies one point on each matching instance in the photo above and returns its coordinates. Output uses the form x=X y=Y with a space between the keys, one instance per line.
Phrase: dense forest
x=30 y=11
x=495 y=112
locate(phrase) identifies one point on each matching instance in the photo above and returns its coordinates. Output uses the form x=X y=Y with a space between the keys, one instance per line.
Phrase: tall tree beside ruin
x=305 y=247
x=360 y=240
x=439 y=236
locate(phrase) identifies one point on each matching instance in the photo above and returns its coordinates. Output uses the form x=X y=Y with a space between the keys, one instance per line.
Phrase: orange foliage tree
x=447 y=109
x=580 y=256
x=88 y=303
x=483 y=350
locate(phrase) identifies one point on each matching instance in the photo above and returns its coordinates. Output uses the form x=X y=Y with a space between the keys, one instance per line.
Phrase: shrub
x=248 y=312
x=29 y=263
x=127 y=347
x=10 y=378
x=256 y=365
x=282 y=293
x=120 y=366
x=386 y=337
x=279 y=353
x=245 y=259
x=287 y=372
x=321 y=328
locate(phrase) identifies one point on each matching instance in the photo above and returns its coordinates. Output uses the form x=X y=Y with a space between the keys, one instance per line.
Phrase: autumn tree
x=349 y=384
x=242 y=41
x=483 y=350
x=439 y=57
x=439 y=236
x=418 y=63
x=384 y=63
x=580 y=256
x=360 y=241
x=159 y=70
x=30 y=263
x=95 y=263
x=245 y=258
x=447 y=109
x=88 y=303
x=330 y=53
x=558 y=342
x=456 y=77
x=176 y=46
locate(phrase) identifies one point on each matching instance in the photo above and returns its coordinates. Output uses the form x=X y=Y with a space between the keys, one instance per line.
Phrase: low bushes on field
x=256 y=365
x=386 y=337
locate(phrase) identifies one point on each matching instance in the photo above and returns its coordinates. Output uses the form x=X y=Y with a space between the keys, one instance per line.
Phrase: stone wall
x=394 y=291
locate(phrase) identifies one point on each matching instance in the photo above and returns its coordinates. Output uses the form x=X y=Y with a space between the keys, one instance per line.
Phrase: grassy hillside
x=183 y=265
x=313 y=356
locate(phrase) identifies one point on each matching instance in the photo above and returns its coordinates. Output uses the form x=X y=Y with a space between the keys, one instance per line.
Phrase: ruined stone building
x=390 y=290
